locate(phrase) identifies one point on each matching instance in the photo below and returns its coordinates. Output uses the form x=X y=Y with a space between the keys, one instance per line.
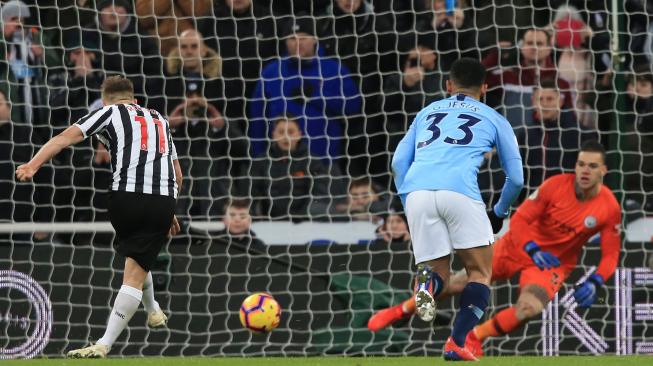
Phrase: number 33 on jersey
x=444 y=147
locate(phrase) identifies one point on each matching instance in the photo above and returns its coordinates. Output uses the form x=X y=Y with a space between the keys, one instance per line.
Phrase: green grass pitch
x=341 y=361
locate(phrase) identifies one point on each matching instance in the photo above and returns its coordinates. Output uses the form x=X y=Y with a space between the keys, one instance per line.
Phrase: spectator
x=365 y=202
x=638 y=138
x=411 y=20
x=126 y=50
x=552 y=143
x=244 y=34
x=415 y=86
x=25 y=60
x=519 y=72
x=289 y=183
x=238 y=226
x=319 y=91
x=15 y=148
x=71 y=93
x=366 y=44
x=575 y=62
x=454 y=35
x=206 y=142
x=164 y=19
x=394 y=229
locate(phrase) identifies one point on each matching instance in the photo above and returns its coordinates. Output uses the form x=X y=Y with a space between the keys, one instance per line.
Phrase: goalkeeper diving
x=546 y=236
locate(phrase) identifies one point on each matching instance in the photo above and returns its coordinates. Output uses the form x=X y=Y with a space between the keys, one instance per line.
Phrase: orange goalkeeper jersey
x=561 y=224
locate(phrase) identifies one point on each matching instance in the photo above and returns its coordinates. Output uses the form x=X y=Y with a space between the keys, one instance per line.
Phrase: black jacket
x=245 y=43
x=291 y=187
x=247 y=240
x=550 y=148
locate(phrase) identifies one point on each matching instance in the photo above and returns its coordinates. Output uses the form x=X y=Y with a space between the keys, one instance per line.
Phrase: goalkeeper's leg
x=537 y=289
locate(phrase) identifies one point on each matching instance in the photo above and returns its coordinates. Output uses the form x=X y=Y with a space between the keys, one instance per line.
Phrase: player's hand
x=25 y=172
x=543 y=260
x=174 y=227
x=496 y=221
x=102 y=155
x=585 y=293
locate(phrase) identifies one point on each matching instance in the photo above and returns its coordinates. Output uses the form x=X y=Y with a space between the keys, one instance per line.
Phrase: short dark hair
x=238 y=203
x=363 y=182
x=546 y=32
x=117 y=85
x=547 y=83
x=467 y=73
x=642 y=73
x=285 y=117
x=595 y=147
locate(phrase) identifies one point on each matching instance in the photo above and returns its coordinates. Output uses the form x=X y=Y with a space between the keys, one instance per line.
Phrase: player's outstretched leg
x=386 y=317
x=429 y=285
x=155 y=316
x=124 y=306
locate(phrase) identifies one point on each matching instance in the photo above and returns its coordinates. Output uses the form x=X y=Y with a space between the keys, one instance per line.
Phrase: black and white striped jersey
x=141 y=147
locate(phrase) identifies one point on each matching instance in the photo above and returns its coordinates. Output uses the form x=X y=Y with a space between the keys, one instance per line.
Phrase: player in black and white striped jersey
x=146 y=180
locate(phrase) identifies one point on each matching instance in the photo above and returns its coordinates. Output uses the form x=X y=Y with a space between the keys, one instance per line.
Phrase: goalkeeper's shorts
x=505 y=265
x=141 y=222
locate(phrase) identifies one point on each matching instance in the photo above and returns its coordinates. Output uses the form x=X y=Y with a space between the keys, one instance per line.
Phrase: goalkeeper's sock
x=503 y=323
x=408 y=306
x=149 y=303
x=473 y=301
x=124 y=307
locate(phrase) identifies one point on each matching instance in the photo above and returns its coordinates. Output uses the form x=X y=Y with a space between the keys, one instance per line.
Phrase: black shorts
x=141 y=222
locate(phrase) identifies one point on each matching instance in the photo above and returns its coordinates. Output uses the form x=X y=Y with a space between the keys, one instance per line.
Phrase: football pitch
x=340 y=361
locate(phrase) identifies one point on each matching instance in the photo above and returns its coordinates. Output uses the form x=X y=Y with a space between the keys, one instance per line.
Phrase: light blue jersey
x=443 y=150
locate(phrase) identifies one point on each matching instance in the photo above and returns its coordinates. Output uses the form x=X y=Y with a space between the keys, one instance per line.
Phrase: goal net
x=292 y=110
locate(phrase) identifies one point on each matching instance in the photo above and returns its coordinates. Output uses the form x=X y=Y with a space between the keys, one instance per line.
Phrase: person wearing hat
x=26 y=59
x=72 y=90
x=318 y=90
x=211 y=150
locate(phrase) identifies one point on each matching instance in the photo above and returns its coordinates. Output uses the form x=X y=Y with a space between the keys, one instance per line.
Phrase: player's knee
x=531 y=302
x=457 y=283
x=480 y=275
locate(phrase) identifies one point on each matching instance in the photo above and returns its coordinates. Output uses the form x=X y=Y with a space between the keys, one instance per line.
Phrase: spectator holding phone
x=211 y=151
x=407 y=91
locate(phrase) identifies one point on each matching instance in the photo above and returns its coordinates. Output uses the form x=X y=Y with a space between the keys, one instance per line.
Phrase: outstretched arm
x=70 y=136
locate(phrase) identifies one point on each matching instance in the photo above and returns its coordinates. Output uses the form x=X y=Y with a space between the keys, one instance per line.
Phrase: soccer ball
x=260 y=313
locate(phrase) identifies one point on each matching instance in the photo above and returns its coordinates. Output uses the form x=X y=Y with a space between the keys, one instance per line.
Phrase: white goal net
x=292 y=110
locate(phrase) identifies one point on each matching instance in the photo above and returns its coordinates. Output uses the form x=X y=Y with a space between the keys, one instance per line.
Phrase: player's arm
x=511 y=162
x=403 y=157
x=70 y=136
x=610 y=246
x=585 y=293
x=178 y=175
x=528 y=213
x=175 y=227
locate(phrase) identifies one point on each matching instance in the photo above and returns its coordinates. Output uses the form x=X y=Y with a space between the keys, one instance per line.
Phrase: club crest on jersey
x=590 y=222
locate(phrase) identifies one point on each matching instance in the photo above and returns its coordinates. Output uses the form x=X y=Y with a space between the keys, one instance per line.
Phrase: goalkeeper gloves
x=543 y=260
x=496 y=221
x=585 y=293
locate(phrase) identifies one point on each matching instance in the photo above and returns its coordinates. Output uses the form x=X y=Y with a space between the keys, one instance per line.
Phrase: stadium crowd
x=299 y=105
